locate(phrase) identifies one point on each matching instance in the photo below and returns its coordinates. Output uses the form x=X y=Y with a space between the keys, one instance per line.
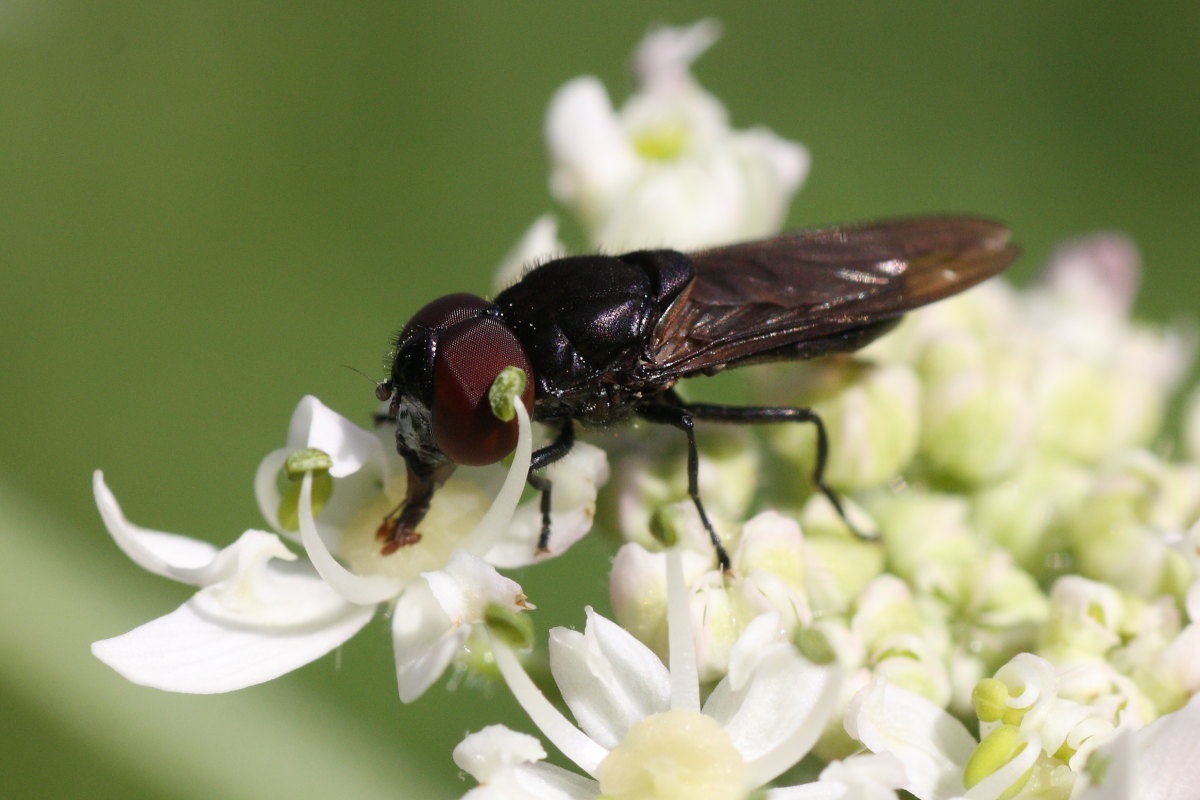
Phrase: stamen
x=570 y=740
x=360 y=589
x=685 y=677
x=495 y=522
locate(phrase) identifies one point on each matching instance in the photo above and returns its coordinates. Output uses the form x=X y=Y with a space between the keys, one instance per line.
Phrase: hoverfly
x=604 y=338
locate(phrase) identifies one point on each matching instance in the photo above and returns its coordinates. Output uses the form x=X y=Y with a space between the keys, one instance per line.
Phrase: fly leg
x=681 y=417
x=542 y=457
x=757 y=414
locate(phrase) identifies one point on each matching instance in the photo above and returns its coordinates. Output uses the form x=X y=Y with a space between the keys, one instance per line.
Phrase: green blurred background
x=209 y=207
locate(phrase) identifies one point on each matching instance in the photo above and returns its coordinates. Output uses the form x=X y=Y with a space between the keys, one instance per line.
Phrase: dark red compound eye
x=443 y=313
x=470 y=354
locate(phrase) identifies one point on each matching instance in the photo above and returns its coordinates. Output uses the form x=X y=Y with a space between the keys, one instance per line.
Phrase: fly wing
x=749 y=299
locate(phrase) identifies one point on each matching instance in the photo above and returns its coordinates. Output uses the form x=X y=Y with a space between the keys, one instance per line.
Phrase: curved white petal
x=359 y=466
x=361 y=589
x=167 y=554
x=195 y=650
x=576 y=479
x=608 y=678
x=776 y=715
x=933 y=746
x=266 y=488
x=314 y=424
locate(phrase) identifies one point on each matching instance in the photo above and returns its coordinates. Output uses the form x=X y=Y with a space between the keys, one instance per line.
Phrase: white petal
x=861 y=777
x=592 y=160
x=538 y=781
x=576 y=480
x=316 y=425
x=536 y=246
x=266 y=489
x=775 y=717
x=608 y=678
x=1119 y=774
x=489 y=752
x=191 y=650
x=1168 y=751
x=360 y=467
x=747 y=652
x=433 y=618
x=932 y=745
x=468 y=585
x=424 y=639
x=665 y=56
x=167 y=554
x=868 y=776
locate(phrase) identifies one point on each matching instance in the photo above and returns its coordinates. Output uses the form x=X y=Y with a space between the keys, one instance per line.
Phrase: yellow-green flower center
x=675 y=755
x=662 y=142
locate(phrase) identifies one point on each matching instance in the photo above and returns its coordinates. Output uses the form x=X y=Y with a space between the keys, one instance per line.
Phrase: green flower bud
x=1019 y=513
x=976 y=415
x=839 y=568
x=926 y=536
x=1089 y=410
x=871 y=414
x=1117 y=533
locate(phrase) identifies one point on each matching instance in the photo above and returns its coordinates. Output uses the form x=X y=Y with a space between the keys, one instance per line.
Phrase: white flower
x=258 y=616
x=667 y=170
x=1035 y=743
x=770 y=572
x=1158 y=761
x=642 y=731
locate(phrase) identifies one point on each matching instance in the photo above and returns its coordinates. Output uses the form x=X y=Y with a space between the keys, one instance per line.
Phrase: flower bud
x=976 y=413
x=870 y=412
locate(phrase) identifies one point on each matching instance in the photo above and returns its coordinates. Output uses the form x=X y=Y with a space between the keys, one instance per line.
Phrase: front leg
x=543 y=457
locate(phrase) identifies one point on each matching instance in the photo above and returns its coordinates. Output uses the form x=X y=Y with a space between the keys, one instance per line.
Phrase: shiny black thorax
x=585 y=323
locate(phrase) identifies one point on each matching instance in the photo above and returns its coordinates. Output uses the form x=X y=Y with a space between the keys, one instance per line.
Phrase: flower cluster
x=1012 y=610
